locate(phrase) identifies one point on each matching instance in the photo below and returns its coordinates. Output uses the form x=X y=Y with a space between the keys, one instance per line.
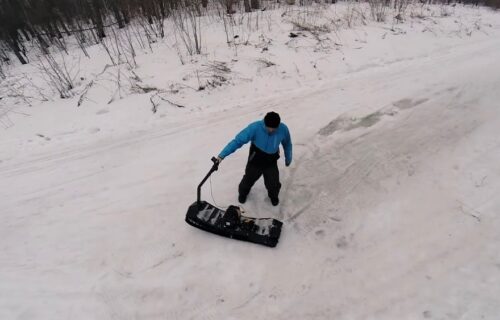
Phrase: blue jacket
x=257 y=133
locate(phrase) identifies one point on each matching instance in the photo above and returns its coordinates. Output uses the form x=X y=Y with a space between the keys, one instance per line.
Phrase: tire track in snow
x=336 y=177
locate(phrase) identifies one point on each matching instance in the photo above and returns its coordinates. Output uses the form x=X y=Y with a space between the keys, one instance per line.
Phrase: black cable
x=212 y=195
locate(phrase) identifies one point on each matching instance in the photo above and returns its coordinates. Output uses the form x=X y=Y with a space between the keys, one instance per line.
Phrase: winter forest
x=46 y=23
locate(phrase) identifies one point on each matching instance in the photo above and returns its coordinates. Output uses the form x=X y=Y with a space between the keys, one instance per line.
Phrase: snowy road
x=390 y=208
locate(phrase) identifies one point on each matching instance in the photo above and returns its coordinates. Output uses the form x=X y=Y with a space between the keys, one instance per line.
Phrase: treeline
x=489 y=3
x=493 y=3
x=47 y=22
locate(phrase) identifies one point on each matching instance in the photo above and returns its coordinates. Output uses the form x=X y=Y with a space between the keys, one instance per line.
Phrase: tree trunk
x=20 y=57
x=97 y=18
x=247 y=5
x=57 y=31
x=229 y=7
x=125 y=15
x=65 y=27
x=163 y=9
x=14 y=45
x=114 y=4
x=50 y=31
x=118 y=17
x=25 y=34
x=43 y=44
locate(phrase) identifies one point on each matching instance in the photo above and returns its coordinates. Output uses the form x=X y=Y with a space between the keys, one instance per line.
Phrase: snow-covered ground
x=390 y=207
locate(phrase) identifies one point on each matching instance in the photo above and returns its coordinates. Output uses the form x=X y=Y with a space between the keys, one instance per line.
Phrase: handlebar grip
x=215 y=167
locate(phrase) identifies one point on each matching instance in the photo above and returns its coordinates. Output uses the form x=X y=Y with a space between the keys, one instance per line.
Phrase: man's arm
x=241 y=138
x=287 y=146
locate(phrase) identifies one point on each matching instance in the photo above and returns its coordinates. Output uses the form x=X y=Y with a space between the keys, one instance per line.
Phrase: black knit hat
x=272 y=120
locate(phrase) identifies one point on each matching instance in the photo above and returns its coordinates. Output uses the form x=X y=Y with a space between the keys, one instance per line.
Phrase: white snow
x=390 y=207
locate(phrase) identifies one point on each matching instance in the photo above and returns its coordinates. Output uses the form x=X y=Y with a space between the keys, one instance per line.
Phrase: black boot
x=275 y=201
x=242 y=198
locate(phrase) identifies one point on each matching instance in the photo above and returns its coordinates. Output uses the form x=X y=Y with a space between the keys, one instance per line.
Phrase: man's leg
x=272 y=183
x=252 y=174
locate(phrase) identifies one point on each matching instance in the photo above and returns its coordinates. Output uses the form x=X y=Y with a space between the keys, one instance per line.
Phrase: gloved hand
x=287 y=163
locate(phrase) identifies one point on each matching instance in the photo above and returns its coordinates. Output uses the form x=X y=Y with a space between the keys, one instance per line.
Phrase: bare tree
x=255 y=4
x=378 y=9
x=57 y=75
x=187 y=24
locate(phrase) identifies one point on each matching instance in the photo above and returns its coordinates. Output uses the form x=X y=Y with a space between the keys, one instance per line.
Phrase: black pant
x=271 y=179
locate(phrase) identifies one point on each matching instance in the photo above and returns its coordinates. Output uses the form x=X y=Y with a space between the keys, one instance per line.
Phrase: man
x=266 y=136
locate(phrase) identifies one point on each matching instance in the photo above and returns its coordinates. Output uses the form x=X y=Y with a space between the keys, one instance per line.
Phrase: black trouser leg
x=252 y=174
x=272 y=181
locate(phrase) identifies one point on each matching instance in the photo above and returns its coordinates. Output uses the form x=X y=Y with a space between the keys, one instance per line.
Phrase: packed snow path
x=390 y=208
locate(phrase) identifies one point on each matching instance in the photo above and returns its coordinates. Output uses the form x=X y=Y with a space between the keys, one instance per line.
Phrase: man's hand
x=287 y=163
x=219 y=160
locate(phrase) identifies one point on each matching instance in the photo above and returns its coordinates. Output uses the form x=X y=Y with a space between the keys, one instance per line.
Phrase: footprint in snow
x=94 y=130
x=342 y=242
x=44 y=137
x=320 y=233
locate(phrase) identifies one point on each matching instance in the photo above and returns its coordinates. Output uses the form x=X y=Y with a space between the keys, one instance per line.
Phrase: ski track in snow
x=390 y=209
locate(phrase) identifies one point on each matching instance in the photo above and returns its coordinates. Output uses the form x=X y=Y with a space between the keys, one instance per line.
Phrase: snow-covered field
x=390 y=207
